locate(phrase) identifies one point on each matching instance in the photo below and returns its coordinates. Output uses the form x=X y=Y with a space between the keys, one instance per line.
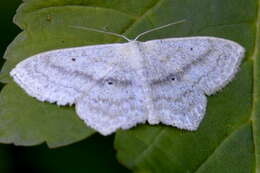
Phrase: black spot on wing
x=170 y=78
x=114 y=82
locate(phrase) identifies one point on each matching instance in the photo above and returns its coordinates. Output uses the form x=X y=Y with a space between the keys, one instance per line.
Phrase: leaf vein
x=217 y=147
x=140 y=18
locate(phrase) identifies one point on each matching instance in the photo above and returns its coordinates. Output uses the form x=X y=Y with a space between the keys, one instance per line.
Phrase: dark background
x=93 y=155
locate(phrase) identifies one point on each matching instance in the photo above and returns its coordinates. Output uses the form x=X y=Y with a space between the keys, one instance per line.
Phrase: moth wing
x=115 y=102
x=179 y=105
x=61 y=76
x=182 y=70
x=208 y=62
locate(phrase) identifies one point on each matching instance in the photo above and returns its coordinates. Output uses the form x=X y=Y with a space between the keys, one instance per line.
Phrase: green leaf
x=228 y=138
x=26 y=121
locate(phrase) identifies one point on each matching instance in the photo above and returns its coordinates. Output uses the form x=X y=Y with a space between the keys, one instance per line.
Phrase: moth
x=117 y=86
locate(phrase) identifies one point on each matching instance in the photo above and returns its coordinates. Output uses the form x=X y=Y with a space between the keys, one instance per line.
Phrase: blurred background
x=93 y=155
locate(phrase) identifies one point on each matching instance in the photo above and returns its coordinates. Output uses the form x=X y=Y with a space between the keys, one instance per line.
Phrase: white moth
x=120 y=85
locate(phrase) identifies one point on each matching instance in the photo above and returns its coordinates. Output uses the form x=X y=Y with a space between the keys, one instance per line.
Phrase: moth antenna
x=157 y=28
x=101 y=31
